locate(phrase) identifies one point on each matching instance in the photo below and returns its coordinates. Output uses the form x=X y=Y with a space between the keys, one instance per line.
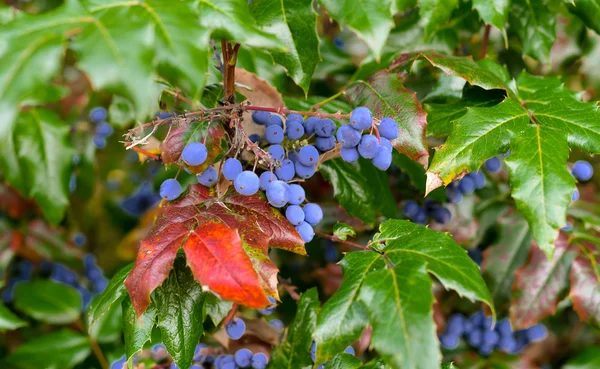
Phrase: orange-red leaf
x=217 y=259
x=585 y=290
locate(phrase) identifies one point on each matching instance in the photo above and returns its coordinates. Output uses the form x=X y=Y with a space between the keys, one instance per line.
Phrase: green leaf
x=343 y=361
x=376 y=363
x=180 y=313
x=360 y=188
x=438 y=251
x=585 y=288
x=231 y=20
x=535 y=24
x=109 y=327
x=494 y=12
x=37 y=148
x=50 y=302
x=56 y=350
x=587 y=359
x=343 y=230
x=399 y=302
x=295 y=24
x=370 y=19
x=435 y=14
x=449 y=366
x=110 y=299
x=501 y=261
x=588 y=11
x=8 y=320
x=541 y=184
x=385 y=95
x=137 y=331
x=216 y=308
x=343 y=317
x=294 y=352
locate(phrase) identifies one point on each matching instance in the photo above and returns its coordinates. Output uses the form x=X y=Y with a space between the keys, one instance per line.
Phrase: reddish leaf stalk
x=484 y=42
x=286 y=111
x=231 y=314
x=339 y=240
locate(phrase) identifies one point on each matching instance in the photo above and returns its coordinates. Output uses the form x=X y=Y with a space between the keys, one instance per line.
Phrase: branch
x=339 y=240
x=484 y=42
x=286 y=111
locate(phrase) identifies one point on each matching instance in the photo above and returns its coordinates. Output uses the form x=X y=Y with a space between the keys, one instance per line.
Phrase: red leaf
x=154 y=261
x=541 y=283
x=217 y=259
x=227 y=246
x=585 y=289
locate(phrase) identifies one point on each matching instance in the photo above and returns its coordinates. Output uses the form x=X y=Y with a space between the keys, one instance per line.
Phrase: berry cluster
x=430 y=209
x=479 y=333
x=465 y=186
x=142 y=200
x=93 y=283
x=583 y=172
x=313 y=353
x=22 y=272
x=104 y=129
x=295 y=160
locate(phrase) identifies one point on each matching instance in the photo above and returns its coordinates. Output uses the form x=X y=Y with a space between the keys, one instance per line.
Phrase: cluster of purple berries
x=142 y=200
x=465 y=186
x=430 y=209
x=583 y=172
x=104 y=129
x=94 y=282
x=313 y=353
x=22 y=272
x=478 y=332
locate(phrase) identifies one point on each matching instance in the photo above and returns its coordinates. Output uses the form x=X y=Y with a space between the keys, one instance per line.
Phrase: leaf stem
x=339 y=240
x=318 y=105
x=95 y=347
x=484 y=42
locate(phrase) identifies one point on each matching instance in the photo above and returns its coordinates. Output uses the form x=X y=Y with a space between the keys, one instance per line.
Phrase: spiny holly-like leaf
x=399 y=302
x=343 y=317
x=180 y=313
x=217 y=258
x=36 y=158
x=494 y=12
x=137 y=331
x=540 y=284
x=110 y=298
x=501 y=261
x=535 y=24
x=585 y=288
x=295 y=24
x=294 y=352
x=434 y=14
x=385 y=95
x=588 y=11
x=444 y=258
x=38 y=299
x=184 y=132
x=544 y=190
x=370 y=19
x=361 y=189
x=233 y=224
x=343 y=361
x=8 y=320
x=57 y=350
x=343 y=230
x=231 y=20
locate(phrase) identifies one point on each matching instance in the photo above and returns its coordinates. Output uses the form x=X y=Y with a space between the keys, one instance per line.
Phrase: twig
x=484 y=42
x=318 y=105
x=286 y=111
x=339 y=240
x=95 y=348
x=231 y=314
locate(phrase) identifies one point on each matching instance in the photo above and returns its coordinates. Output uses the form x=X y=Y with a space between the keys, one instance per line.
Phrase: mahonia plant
x=443 y=146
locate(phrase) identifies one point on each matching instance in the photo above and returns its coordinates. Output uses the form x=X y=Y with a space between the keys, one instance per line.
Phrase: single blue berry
x=170 y=189
x=348 y=137
x=349 y=155
x=265 y=179
x=194 y=154
x=325 y=143
x=278 y=194
x=120 y=363
x=383 y=160
x=274 y=134
x=449 y=341
x=575 y=195
x=208 y=177
x=350 y=350
x=507 y=344
x=72 y=182
x=568 y=227
x=453 y=194
x=442 y=215
x=259 y=361
x=582 y=170
x=98 y=114
x=490 y=338
x=104 y=129
x=246 y=183
x=99 y=141
x=493 y=165
x=163 y=115
x=536 y=333
x=313 y=351
x=420 y=217
x=388 y=128
x=309 y=125
x=306 y=231
x=231 y=168
x=304 y=171
x=199 y=352
x=325 y=128
x=475 y=337
x=297 y=194
x=260 y=117
x=294 y=118
x=294 y=130
x=235 y=328
x=274 y=120
x=255 y=137
x=361 y=118
x=243 y=357
x=466 y=185
x=456 y=325
x=294 y=214
x=277 y=324
x=411 y=208
x=369 y=146
x=313 y=214
x=79 y=239
x=286 y=171
x=308 y=155
x=504 y=328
